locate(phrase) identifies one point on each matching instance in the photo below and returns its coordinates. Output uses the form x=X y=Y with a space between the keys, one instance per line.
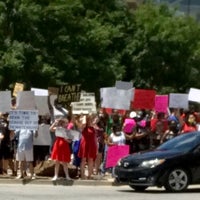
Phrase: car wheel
x=177 y=180
x=138 y=188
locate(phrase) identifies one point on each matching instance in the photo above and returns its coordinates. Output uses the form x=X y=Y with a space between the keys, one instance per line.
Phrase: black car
x=175 y=164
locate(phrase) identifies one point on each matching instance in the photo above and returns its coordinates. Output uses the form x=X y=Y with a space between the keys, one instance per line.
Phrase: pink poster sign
x=161 y=103
x=114 y=153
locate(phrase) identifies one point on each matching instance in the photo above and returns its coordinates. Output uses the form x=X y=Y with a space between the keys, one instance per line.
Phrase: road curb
x=61 y=181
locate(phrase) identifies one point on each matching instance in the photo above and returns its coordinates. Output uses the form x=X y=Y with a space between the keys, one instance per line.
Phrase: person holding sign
x=88 y=146
x=24 y=153
x=116 y=138
x=61 y=153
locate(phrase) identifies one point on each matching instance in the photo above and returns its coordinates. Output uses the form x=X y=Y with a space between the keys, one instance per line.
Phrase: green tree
x=163 y=50
x=88 y=40
x=20 y=42
x=47 y=43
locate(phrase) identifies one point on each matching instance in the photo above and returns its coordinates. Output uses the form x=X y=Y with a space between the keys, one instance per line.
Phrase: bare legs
x=7 y=163
x=98 y=162
x=65 y=168
x=82 y=168
x=23 y=166
x=31 y=168
x=90 y=167
x=5 y=166
x=56 y=170
x=90 y=163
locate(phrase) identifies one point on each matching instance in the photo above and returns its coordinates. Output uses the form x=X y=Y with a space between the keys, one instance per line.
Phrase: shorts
x=25 y=155
x=6 y=153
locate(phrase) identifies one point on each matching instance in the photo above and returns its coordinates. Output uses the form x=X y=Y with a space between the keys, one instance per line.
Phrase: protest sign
x=23 y=119
x=63 y=133
x=194 y=95
x=177 y=100
x=144 y=99
x=5 y=101
x=42 y=105
x=25 y=100
x=69 y=93
x=53 y=91
x=83 y=107
x=161 y=103
x=115 y=153
x=116 y=98
x=39 y=92
x=86 y=104
x=123 y=85
x=18 y=87
x=87 y=97
x=75 y=135
x=43 y=138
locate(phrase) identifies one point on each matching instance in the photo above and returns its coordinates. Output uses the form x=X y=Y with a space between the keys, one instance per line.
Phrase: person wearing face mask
x=189 y=124
x=118 y=137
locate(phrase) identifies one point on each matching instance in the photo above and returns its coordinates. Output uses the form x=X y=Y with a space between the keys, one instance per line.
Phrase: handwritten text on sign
x=23 y=119
x=69 y=93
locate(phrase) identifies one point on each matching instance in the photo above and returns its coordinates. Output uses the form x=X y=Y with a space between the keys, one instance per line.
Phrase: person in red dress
x=61 y=153
x=88 y=147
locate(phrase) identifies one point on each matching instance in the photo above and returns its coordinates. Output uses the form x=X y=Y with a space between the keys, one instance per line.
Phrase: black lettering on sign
x=69 y=93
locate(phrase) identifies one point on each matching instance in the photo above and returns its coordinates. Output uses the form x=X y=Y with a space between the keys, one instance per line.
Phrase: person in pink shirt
x=129 y=127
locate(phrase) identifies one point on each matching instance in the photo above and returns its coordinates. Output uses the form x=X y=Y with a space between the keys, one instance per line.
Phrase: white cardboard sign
x=23 y=119
x=5 y=101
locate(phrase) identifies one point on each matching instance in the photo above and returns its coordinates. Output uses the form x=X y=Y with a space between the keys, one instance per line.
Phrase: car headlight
x=152 y=163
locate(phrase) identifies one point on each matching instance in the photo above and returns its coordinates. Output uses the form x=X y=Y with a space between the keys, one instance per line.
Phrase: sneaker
x=33 y=177
x=54 y=178
x=19 y=177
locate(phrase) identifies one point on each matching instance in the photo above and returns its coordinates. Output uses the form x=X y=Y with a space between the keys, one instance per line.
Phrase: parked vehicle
x=175 y=164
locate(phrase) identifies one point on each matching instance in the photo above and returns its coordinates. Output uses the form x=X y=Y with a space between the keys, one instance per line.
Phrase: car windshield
x=183 y=142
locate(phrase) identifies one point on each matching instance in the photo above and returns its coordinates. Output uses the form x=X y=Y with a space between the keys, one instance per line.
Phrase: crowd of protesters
x=140 y=129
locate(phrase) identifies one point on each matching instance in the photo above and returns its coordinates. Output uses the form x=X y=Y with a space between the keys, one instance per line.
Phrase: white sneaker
x=54 y=178
x=33 y=177
x=19 y=177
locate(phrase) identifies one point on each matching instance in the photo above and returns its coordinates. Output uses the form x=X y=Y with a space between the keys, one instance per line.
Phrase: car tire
x=177 y=180
x=138 y=188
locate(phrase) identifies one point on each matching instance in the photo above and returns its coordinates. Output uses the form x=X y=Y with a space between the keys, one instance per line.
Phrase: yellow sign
x=18 y=87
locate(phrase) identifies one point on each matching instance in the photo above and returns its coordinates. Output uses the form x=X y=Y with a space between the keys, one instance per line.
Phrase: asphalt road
x=75 y=192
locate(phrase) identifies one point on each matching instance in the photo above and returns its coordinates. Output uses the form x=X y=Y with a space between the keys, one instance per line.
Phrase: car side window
x=181 y=143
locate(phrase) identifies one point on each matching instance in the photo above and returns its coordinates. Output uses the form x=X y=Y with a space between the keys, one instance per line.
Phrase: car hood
x=149 y=155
